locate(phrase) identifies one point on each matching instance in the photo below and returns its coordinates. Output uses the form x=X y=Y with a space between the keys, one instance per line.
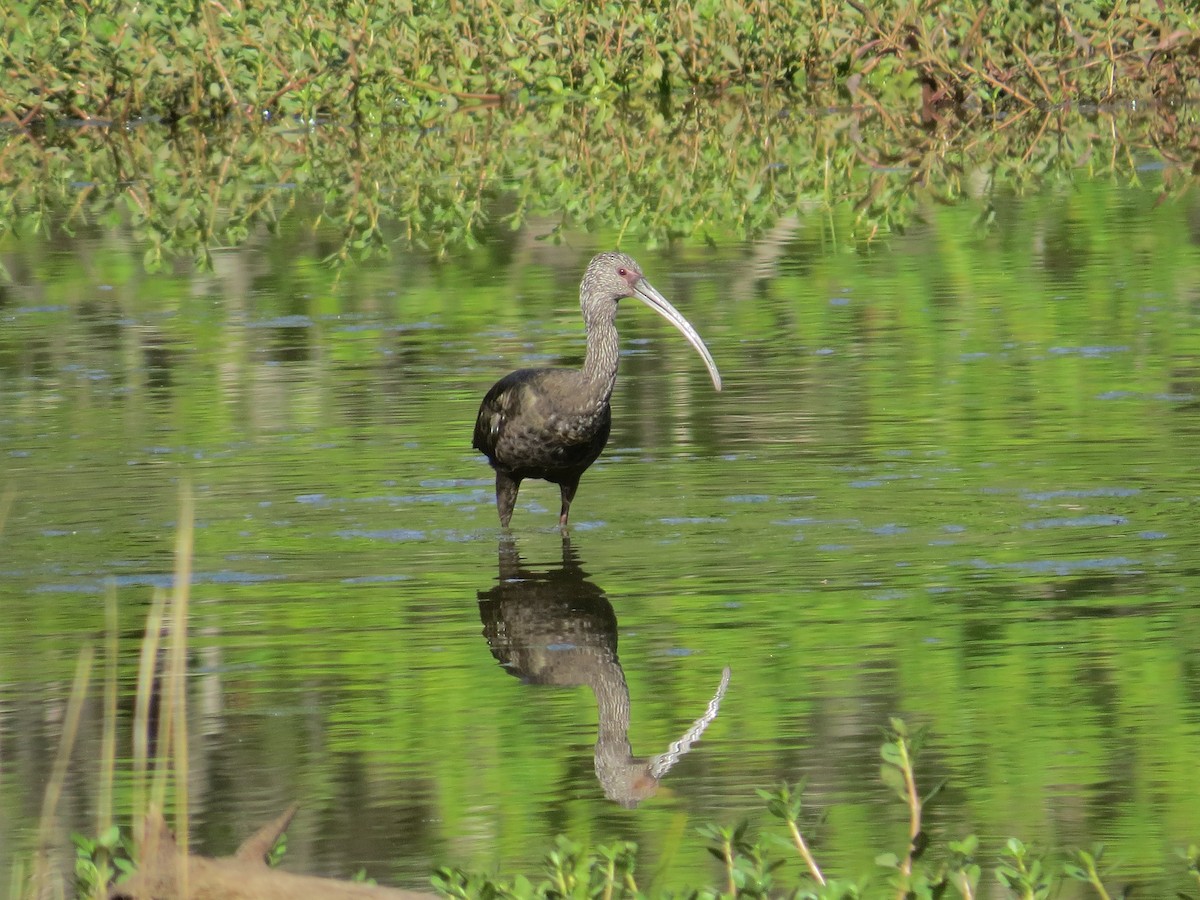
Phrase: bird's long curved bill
x=647 y=293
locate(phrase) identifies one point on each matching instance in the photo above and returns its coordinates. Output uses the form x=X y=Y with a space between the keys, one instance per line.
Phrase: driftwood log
x=167 y=872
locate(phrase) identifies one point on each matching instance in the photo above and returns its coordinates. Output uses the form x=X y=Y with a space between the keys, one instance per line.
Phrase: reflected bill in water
x=558 y=628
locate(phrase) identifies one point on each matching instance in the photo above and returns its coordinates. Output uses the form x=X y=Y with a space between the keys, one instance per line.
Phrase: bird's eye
x=622 y=272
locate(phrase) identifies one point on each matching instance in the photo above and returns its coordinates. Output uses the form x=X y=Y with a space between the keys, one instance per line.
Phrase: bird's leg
x=506 y=496
x=568 y=494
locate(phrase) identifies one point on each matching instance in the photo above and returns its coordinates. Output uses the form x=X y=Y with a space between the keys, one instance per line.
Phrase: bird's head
x=613 y=276
x=609 y=278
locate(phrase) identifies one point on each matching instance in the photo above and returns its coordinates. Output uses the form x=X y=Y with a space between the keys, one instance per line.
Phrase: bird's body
x=553 y=423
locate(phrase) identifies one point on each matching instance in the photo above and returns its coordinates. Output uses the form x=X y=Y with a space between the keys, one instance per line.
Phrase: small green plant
x=99 y=860
x=748 y=870
x=1192 y=857
x=749 y=873
x=617 y=864
x=1021 y=871
x=572 y=871
x=899 y=751
x=1085 y=866
x=451 y=881
x=962 y=868
x=785 y=803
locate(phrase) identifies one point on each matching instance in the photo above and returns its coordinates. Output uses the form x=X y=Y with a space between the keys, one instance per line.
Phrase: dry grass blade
x=40 y=885
x=177 y=668
x=108 y=742
x=162 y=675
x=147 y=668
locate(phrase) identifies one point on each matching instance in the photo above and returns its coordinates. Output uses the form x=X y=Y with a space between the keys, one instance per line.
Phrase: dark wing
x=499 y=405
x=529 y=426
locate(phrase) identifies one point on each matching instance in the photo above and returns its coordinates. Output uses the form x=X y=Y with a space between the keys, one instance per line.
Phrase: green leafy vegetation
x=740 y=167
x=101 y=860
x=397 y=61
x=352 y=116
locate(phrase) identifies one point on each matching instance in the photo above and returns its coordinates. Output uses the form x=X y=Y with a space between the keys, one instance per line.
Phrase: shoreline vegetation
x=196 y=126
x=134 y=854
x=743 y=168
x=397 y=61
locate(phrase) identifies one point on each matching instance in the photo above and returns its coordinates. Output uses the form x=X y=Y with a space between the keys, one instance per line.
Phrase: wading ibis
x=553 y=423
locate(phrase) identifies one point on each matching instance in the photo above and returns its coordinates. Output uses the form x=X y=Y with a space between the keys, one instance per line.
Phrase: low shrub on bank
x=394 y=60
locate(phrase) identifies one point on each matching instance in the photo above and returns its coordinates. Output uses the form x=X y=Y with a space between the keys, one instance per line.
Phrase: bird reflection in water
x=558 y=628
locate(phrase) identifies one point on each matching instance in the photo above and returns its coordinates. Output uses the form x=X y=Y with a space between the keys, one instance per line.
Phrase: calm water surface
x=952 y=477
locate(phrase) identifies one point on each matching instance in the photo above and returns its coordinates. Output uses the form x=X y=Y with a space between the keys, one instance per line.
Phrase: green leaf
x=1073 y=871
x=894 y=778
x=934 y=791
x=83 y=843
x=109 y=837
